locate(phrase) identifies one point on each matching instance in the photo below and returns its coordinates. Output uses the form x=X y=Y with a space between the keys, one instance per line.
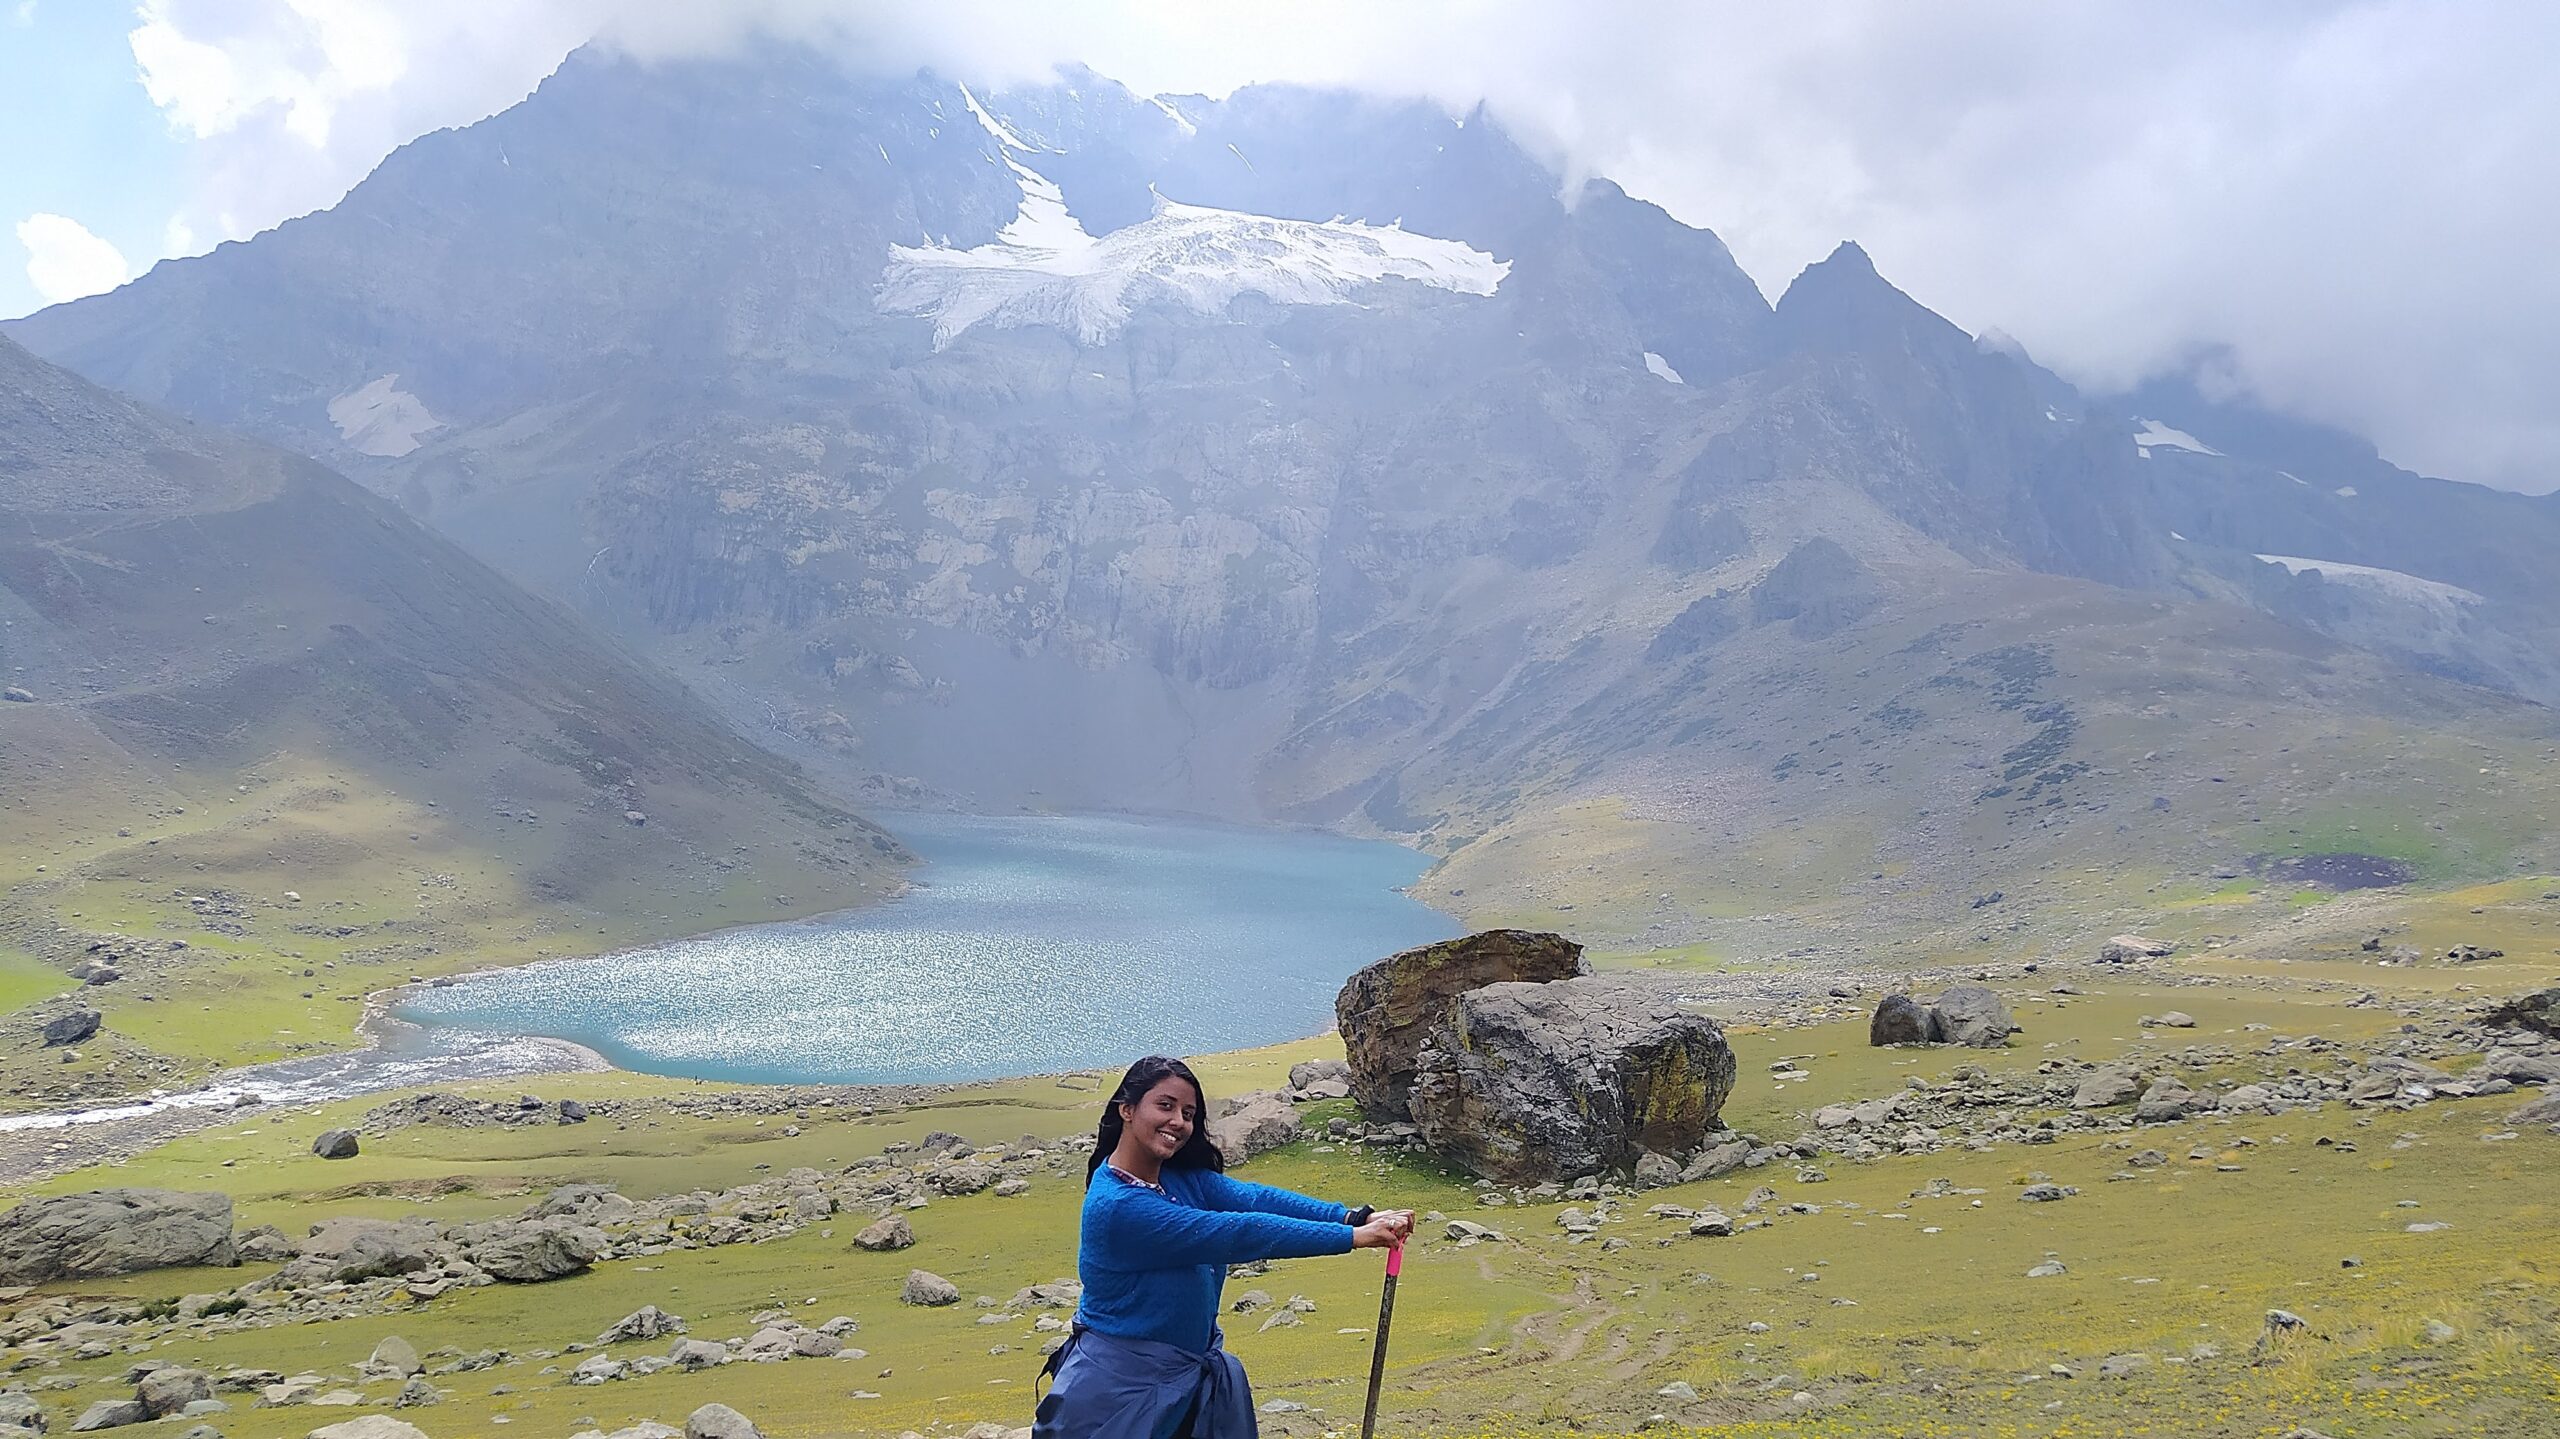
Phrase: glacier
x=1044 y=268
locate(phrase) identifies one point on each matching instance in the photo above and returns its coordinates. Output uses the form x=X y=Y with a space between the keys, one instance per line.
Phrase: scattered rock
x=168 y=1391
x=1900 y=1019
x=1255 y=1123
x=646 y=1322
x=924 y=1287
x=74 y=1027
x=885 y=1234
x=105 y=1232
x=719 y=1421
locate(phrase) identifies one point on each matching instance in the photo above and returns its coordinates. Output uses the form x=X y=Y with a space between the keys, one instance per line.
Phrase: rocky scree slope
x=1309 y=456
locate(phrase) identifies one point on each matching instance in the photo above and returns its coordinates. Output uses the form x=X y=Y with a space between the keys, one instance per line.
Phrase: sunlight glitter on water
x=1030 y=945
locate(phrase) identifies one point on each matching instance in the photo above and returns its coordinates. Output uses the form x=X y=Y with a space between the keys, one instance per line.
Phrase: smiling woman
x=1162 y=1221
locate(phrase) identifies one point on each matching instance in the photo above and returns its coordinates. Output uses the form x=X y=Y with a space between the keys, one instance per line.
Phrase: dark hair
x=1196 y=1152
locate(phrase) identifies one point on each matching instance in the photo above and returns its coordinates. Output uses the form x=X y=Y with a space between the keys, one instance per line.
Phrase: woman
x=1162 y=1222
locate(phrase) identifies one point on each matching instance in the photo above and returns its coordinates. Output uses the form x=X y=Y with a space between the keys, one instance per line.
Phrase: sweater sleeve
x=1141 y=1230
x=1220 y=1192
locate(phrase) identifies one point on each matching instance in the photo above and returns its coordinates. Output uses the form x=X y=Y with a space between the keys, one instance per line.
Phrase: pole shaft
x=1378 y=1353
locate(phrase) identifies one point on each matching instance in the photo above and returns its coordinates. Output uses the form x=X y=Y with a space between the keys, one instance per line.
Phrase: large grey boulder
x=393 y=1358
x=2107 y=1087
x=646 y=1322
x=113 y=1231
x=1972 y=1015
x=2537 y=1010
x=110 y=1414
x=888 y=1233
x=20 y=1414
x=1255 y=1123
x=170 y=1390
x=2125 y=948
x=336 y=1144
x=72 y=1028
x=1531 y=1082
x=719 y=1421
x=1900 y=1019
x=926 y=1288
x=371 y=1426
x=1389 y=1009
x=346 y=1251
x=535 y=1250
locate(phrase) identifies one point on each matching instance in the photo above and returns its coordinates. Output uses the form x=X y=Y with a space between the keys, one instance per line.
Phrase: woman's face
x=1163 y=1117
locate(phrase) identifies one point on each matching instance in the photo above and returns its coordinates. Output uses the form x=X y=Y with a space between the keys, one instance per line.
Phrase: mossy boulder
x=1590 y=1075
x=1389 y=1009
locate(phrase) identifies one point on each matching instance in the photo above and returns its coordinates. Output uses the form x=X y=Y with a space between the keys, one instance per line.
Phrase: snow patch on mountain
x=2156 y=436
x=381 y=419
x=1044 y=268
x=1656 y=365
x=2393 y=584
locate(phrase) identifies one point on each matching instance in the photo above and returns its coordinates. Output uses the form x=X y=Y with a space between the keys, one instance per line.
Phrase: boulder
x=335 y=1144
x=18 y=696
x=2537 y=1010
x=19 y=1412
x=73 y=1027
x=2169 y=1098
x=924 y=1287
x=572 y=1112
x=168 y=1391
x=693 y=1354
x=1530 y=1082
x=110 y=1414
x=887 y=1233
x=1389 y=1009
x=646 y=1322
x=371 y=1426
x=1306 y=1074
x=393 y=1358
x=112 y=1231
x=346 y=1251
x=530 y=1251
x=1972 y=1015
x=1900 y=1019
x=2545 y=1110
x=2125 y=948
x=1255 y=1123
x=719 y=1421
x=2521 y=1068
x=417 y=1393
x=2107 y=1087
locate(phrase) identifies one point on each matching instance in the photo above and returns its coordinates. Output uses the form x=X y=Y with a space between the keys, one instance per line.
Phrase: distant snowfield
x=2156 y=436
x=1656 y=365
x=2434 y=594
x=1045 y=269
x=381 y=419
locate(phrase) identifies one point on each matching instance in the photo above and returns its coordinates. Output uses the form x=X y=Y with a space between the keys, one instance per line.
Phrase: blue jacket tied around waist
x=1146 y=1353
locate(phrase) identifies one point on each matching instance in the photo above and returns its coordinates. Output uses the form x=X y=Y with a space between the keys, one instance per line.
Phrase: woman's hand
x=1386 y=1229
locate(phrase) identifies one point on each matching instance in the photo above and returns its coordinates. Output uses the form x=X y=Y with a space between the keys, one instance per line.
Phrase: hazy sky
x=2357 y=198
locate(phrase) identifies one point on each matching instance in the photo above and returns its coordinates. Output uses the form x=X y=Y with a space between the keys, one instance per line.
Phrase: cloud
x=2353 y=196
x=65 y=261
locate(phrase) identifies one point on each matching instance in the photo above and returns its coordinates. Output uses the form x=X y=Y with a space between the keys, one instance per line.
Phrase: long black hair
x=1196 y=1152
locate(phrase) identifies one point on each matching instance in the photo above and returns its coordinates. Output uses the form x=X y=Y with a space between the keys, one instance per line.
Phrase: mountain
x=1313 y=457
x=232 y=673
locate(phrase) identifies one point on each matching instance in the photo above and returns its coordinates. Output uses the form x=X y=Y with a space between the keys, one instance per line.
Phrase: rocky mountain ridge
x=1410 y=497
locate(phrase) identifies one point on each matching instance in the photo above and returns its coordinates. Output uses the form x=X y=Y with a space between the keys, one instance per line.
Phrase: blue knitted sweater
x=1152 y=1264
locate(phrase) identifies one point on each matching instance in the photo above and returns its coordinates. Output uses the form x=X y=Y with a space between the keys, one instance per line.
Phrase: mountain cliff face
x=189 y=619
x=1310 y=457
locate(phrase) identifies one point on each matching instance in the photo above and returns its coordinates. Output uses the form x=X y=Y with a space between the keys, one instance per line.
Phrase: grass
x=1941 y=1334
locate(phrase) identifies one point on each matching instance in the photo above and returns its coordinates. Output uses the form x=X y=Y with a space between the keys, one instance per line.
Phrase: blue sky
x=2351 y=199
x=78 y=136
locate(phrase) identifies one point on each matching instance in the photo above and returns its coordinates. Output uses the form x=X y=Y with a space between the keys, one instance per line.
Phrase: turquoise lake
x=1029 y=945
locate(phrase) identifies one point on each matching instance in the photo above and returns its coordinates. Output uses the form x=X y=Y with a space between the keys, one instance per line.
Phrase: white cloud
x=24 y=14
x=65 y=261
x=2354 y=196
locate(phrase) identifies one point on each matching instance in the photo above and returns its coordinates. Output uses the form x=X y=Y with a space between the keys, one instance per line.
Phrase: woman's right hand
x=1385 y=1230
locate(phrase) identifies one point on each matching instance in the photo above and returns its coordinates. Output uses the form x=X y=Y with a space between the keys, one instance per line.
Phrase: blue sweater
x=1152 y=1266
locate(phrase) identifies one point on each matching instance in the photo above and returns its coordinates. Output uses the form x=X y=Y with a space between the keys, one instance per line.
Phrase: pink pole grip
x=1395 y=1261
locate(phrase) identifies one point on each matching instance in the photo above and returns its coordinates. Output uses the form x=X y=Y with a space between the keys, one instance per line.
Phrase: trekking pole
x=1378 y=1356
